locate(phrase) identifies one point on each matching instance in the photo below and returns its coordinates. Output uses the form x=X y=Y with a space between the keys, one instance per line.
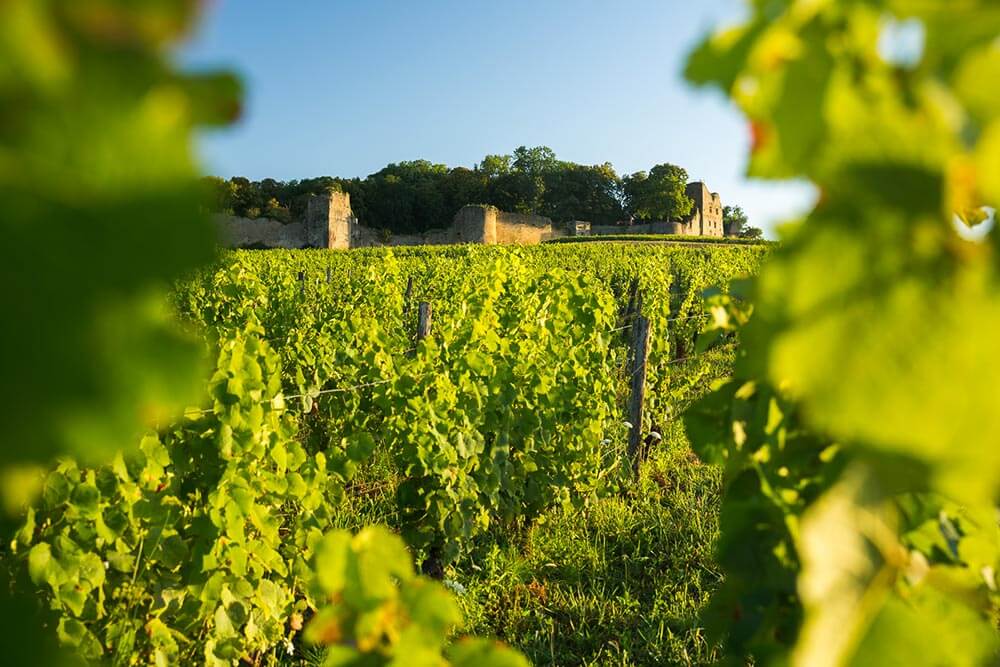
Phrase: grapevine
x=859 y=433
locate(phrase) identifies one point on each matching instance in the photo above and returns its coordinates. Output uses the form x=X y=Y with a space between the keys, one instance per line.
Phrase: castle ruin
x=330 y=223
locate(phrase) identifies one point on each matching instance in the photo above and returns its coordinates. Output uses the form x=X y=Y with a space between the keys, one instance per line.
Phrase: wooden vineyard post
x=631 y=309
x=302 y=283
x=632 y=313
x=329 y=275
x=640 y=354
x=423 y=321
x=433 y=565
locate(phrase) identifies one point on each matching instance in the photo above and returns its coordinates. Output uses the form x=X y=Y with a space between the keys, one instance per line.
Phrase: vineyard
x=594 y=453
x=327 y=410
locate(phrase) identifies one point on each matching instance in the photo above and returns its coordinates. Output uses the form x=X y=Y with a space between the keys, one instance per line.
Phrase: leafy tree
x=517 y=191
x=518 y=182
x=246 y=196
x=275 y=211
x=464 y=186
x=735 y=222
x=658 y=195
x=415 y=196
x=494 y=166
x=578 y=192
x=535 y=161
x=407 y=197
x=218 y=194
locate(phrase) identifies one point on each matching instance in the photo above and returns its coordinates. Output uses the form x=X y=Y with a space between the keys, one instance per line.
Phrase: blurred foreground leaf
x=99 y=211
x=874 y=327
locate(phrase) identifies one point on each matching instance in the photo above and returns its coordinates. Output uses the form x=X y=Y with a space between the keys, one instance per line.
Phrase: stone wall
x=259 y=233
x=707 y=214
x=676 y=228
x=472 y=224
x=329 y=220
x=514 y=228
x=483 y=225
x=330 y=223
x=475 y=224
x=365 y=237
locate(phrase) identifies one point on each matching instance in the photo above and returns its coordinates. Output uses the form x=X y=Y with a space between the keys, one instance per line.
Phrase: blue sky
x=342 y=88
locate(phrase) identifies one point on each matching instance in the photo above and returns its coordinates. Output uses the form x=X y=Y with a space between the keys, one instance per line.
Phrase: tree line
x=418 y=195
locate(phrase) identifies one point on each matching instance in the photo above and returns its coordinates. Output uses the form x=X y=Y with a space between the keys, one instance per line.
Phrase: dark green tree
x=464 y=186
x=246 y=196
x=536 y=161
x=494 y=166
x=218 y=194
x=735 y=222
x=578 y=192
x=657 y=195
x=517 y=182
x=407 y=197
x=418 y=195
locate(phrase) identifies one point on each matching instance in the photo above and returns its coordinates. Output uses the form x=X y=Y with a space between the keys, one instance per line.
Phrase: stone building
x=330 y=223
x=706 y=216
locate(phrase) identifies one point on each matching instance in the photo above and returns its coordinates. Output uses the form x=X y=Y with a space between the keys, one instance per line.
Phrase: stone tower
x=329 y=221
x=707 y=209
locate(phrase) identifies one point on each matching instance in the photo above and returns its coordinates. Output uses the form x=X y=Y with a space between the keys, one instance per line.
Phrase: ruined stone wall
x=712 y=217
x=472 y=224
x=707 y=216
x=329 y=220
x=364 y=237
x=483 y=225
x=689 y=228
x=237 y=232
x=681 y=228
x=330 y=223
x=525 y=229
x=475 y=224
x=694 y=224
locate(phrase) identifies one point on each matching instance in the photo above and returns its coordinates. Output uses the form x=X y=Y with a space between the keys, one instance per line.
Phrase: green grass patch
x=618 y=583
x=660 y=238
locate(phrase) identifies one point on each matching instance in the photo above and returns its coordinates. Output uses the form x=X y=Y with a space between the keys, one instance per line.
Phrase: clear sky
x=344 y=87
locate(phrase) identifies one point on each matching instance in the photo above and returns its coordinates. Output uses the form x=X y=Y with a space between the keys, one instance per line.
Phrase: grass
x=660 y=238
x=618 y=583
